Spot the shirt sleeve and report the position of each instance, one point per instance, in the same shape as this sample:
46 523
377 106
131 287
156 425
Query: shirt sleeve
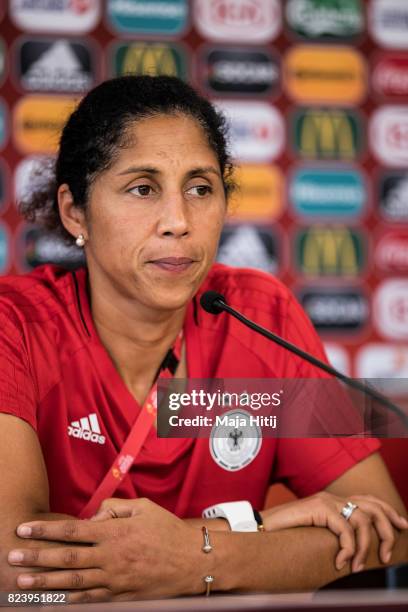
17 388
309 465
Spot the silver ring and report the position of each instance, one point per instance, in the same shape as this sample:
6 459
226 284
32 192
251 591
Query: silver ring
348 510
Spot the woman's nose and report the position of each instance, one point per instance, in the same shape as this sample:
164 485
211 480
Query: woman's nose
173 219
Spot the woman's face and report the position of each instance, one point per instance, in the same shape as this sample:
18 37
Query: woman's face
155 217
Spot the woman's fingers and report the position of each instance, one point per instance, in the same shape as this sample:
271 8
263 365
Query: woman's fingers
383 526
396 519
346 535
63 580
69 530
355 535
383 517
361 523
79 557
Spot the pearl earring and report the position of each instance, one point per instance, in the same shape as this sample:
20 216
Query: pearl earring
80 241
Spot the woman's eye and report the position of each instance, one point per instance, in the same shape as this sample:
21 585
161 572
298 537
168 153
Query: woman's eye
200 190
141 190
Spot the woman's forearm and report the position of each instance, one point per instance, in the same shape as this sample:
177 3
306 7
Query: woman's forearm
297 559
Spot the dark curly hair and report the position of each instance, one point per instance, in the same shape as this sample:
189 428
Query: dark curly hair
97 129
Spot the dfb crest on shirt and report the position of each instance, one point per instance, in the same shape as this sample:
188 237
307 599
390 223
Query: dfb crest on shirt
234 441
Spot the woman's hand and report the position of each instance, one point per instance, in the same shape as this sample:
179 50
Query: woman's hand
153 554
115 507
324 510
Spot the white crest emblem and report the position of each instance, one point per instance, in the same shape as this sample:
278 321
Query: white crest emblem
234 441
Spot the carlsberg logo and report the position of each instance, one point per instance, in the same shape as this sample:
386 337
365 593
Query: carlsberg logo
332 18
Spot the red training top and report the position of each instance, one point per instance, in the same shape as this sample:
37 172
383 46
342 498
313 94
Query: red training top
57 376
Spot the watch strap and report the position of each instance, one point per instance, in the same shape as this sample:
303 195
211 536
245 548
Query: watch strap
239 515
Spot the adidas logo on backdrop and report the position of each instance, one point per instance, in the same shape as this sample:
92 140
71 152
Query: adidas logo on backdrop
87 428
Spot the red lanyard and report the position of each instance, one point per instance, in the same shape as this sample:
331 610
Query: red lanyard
131 447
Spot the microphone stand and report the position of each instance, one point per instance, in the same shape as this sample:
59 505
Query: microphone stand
218 305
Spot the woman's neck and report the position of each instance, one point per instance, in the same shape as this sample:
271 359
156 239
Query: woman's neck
137 338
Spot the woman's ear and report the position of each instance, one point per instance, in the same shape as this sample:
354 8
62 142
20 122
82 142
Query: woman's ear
72 217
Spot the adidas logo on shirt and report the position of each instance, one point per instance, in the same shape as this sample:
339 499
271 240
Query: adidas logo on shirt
87 428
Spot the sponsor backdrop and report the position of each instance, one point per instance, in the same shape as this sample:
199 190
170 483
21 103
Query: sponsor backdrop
316 93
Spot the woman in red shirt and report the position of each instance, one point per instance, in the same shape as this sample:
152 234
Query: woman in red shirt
141 183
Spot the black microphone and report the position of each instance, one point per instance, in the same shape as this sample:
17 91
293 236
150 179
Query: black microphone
215 303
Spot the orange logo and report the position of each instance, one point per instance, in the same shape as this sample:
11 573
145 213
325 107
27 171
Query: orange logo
38 121
260 193
329 75
116 473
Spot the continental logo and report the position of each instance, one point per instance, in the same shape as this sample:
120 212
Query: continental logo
330 75
327 134
329 251
38 121
260 193
154 59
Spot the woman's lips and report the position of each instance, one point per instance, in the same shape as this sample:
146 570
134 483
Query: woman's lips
173 264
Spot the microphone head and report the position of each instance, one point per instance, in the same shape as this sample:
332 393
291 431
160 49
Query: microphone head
210 301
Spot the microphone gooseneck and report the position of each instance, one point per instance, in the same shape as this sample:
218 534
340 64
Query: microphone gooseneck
215 303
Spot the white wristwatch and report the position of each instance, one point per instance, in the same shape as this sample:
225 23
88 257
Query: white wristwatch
239 515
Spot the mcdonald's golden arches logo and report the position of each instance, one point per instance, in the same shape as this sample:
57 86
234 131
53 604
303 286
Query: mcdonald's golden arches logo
329 251
327 134
154 59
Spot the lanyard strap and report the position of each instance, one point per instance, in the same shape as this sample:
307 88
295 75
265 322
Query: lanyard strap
131 447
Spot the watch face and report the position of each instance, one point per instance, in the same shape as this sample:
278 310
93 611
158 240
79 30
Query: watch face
234 440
